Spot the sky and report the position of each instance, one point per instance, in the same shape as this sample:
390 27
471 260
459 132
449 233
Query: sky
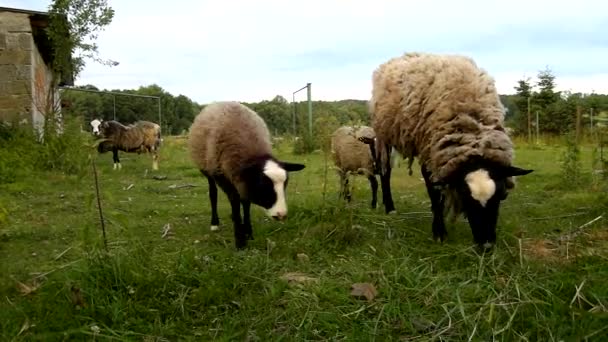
253 50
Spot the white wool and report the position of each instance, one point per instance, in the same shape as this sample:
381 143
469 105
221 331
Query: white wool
481 185
278 175
95 124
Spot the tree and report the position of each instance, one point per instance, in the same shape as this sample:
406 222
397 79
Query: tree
522 101
72 30
547 99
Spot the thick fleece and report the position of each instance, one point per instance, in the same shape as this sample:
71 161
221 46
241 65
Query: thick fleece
442 109
348 153
227 137
140 136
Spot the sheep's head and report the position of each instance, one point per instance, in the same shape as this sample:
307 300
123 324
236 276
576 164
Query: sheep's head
481 188
265 182
372 146
95 125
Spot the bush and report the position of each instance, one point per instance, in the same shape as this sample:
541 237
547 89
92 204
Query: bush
571 163
22 152
305 144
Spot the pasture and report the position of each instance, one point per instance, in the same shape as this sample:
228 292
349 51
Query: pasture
165 276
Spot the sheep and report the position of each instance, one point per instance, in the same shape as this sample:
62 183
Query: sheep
142 136
445 110
230 144
350 155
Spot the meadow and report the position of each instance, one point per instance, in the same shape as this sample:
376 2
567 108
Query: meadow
164 276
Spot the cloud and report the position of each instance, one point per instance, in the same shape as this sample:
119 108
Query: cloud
253 50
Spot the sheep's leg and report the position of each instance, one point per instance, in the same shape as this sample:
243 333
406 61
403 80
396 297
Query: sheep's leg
154 159
347 194
437 205
385 183
215 220
373 182
240 237
247 220
343 185
115 159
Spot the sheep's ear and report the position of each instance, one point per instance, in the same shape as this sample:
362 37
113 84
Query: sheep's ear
513 171
291 167
366 140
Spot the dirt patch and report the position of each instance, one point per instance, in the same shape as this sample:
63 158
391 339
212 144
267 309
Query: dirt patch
592 243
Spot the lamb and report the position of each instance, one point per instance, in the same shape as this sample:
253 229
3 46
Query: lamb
230 144
445 110
350 155
142 136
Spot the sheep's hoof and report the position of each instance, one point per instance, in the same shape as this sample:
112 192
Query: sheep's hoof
487 246
215 228
440 238
240 244
392 212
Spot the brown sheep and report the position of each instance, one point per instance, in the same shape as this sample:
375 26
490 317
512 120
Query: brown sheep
142 136
230 144
446 111
351 156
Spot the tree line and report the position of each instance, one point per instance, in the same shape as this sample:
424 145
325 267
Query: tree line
537 106
557 111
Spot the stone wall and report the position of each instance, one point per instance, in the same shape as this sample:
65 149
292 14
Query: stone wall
41 83
16 45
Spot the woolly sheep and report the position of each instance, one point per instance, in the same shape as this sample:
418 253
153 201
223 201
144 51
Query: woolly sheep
350 155
143 136
230 144
445 110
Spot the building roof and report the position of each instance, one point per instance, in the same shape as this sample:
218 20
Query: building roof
40 20
24 11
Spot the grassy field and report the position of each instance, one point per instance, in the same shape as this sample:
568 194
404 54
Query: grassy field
166 277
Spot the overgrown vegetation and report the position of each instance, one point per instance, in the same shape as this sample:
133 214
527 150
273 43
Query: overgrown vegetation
22 152
167 277
570 163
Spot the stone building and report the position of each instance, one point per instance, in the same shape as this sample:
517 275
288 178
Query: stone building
25 73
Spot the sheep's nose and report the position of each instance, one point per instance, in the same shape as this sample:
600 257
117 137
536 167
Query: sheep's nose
280 216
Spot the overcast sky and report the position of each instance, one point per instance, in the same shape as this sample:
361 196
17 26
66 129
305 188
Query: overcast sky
250 50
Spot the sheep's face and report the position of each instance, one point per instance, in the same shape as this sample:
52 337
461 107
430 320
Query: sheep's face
481 192
267 184
95 125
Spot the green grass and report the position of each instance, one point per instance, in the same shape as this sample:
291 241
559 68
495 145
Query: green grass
194 285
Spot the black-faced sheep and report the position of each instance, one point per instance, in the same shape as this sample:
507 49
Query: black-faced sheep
230 144
142 136
351 156
445 110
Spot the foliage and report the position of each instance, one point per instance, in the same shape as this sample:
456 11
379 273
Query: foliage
21 152
74 25
570 163
556 110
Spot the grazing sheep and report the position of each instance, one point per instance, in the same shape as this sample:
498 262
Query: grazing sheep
445 110
231 146
143 136
350 155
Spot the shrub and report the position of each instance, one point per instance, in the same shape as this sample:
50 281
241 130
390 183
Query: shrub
22 152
